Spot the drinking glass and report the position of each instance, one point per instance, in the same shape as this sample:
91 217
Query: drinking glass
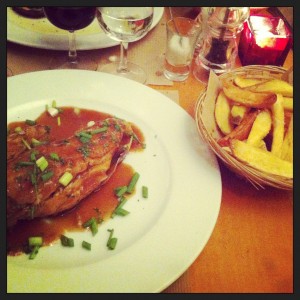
125 24
71 19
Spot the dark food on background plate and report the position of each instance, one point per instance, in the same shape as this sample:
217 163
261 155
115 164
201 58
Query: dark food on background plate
55 176
34 12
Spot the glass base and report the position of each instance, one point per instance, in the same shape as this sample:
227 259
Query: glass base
80 64
133 71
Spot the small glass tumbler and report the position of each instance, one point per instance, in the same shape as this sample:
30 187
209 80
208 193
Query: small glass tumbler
182 34
264 41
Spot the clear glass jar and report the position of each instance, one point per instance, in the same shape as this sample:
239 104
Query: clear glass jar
218 48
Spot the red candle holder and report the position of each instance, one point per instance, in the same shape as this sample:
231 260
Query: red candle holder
264 41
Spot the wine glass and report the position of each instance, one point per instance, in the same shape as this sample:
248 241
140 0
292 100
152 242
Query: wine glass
71 19
125 24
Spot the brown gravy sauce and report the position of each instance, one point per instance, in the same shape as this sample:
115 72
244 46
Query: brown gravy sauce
102 201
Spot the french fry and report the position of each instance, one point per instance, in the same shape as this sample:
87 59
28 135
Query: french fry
243 82
260 128
241 131
287 146
261 159
222 113
237 113
248 98
275 85
278 126
288 103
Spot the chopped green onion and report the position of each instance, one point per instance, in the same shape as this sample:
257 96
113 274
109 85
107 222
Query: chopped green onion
58 121
145 191
66 241
84 134
88 222
65 179
34 252
18 129
112 241
25 163
33 178
121 212
42 163
30 122
92 224
35 142
94 227
54 156
53 103
33 155
35 241
47 176
121 190
86 245
99 130
26 144
133 182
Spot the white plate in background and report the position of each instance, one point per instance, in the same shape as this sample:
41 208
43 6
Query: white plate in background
40 33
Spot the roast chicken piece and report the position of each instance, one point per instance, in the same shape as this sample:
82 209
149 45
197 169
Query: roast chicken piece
90 156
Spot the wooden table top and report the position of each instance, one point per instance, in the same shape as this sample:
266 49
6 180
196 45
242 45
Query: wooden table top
251 247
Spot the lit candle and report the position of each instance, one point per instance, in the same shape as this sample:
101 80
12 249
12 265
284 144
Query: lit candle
264 41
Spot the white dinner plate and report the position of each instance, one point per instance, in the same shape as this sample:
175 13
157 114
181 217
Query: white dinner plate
40 33
162 235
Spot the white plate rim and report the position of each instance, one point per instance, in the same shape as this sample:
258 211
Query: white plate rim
170 246
19 35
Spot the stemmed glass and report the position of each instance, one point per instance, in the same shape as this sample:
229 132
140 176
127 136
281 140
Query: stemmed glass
71 19
125 24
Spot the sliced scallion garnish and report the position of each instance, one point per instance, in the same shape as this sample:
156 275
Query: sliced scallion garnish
99 130
30 122
42 163
112 241
26 144
25 163
120 191
66 241
47 176
145 191
65 179
86 245
18 129
35 241
133 182
34 252
54 156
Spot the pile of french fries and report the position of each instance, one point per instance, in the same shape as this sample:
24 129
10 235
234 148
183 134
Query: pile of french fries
255 118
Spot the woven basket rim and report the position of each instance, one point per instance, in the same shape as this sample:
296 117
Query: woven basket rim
257 178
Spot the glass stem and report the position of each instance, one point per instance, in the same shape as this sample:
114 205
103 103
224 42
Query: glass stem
123 57
72 55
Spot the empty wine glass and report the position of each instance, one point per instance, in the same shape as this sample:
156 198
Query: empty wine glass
125 24
71 19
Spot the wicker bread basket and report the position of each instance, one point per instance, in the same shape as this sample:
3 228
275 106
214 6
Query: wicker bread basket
207 128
